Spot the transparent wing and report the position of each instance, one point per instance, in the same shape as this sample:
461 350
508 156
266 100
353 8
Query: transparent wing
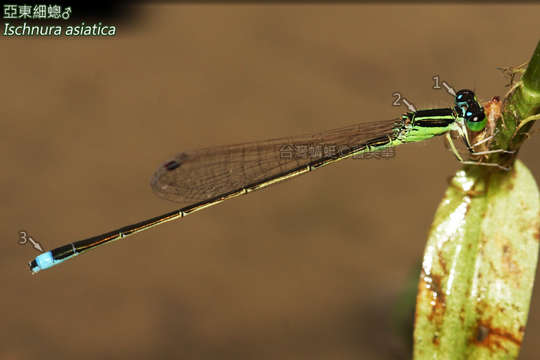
203 174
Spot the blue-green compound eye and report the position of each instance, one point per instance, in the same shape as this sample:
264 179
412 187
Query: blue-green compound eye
464 99
475 118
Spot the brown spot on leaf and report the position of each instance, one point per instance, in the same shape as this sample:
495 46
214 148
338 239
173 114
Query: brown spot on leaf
474 193
438 300
468 208
493 338
481 307
493 268
510 265
482 333
513 173
462 314
442 262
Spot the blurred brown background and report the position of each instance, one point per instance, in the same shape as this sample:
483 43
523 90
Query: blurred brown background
309 269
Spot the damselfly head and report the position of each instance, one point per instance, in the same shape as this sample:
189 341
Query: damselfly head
464 99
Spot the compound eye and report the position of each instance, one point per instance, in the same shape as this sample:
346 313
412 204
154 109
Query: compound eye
465 96
475 118
465 99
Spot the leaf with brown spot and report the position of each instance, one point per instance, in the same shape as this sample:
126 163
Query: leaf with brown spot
479 266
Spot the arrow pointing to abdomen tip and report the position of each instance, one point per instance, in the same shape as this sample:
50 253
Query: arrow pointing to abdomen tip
36 245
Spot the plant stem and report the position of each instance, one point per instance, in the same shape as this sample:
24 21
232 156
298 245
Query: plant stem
521 103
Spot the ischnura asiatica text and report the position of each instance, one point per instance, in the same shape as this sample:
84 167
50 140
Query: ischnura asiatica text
212 175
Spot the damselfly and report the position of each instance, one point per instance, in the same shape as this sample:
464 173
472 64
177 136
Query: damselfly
212 175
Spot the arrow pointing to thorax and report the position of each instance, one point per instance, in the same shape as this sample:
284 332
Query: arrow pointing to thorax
409 105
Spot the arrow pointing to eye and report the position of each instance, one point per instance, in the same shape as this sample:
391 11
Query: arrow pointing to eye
449 88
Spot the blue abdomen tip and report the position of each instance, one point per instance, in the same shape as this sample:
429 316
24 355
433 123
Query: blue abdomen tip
44 261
